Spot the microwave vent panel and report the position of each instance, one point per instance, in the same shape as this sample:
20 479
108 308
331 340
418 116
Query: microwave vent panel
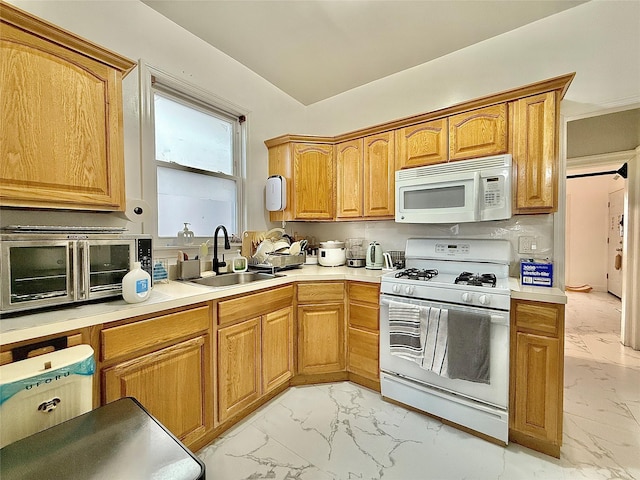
472 165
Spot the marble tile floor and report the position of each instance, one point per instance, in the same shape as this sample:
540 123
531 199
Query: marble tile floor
342 431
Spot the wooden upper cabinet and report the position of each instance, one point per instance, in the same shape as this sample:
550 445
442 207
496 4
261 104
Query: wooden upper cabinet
422 144
61 137
379 175
478 133
535 153
313 174
349 179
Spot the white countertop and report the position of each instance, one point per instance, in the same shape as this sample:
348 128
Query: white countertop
179 294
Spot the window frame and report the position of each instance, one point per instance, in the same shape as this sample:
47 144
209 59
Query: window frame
152 79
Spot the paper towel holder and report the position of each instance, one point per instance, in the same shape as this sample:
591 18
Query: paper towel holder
276 193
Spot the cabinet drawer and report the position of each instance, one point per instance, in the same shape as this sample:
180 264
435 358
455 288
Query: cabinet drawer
364 292
320 292
364 316
254 305
126 339
538 317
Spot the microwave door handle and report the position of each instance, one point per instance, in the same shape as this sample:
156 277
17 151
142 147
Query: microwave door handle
82 271
477 195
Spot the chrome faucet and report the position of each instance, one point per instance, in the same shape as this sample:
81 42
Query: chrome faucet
216 264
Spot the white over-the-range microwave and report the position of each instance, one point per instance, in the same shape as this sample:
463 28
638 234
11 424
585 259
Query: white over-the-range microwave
473 190
47 268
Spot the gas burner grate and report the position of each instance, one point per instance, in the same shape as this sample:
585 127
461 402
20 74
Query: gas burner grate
476 280
417 274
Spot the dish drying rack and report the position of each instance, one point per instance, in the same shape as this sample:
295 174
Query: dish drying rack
278 261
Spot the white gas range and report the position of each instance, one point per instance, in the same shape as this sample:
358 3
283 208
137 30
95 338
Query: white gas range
444 332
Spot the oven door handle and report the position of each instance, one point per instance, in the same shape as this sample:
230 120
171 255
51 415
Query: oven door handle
497 317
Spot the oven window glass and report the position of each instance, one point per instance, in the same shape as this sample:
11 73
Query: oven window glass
108 264
38 272
442 197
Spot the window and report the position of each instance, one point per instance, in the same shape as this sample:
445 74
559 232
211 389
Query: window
193 148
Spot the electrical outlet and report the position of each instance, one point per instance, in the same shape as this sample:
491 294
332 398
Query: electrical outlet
527 244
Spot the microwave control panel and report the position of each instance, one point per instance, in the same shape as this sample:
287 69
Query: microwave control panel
144 254
493 191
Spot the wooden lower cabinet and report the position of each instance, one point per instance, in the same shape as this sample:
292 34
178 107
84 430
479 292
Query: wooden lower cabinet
321 338
164 362
239 367
363 313
170 383
537 372
277 348
255 355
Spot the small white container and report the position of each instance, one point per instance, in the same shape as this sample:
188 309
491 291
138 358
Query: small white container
136 285
239 263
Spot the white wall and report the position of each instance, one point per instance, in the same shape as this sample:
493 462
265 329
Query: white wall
600 41
134 30
586 252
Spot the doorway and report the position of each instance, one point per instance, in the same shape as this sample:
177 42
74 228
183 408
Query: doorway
615 246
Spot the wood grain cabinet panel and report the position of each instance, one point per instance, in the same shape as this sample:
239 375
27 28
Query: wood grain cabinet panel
363 332
61 139
321 338
478 133
277 351
535 153
313 181
256 304
537 375
170 383
349 179
362 355
239 367
422 144
320 292
379 175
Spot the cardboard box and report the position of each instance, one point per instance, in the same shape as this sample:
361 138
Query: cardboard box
536 273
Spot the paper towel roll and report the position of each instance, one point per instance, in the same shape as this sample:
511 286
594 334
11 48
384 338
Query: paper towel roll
137 210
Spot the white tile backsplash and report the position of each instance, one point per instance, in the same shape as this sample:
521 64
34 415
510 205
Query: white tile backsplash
393 236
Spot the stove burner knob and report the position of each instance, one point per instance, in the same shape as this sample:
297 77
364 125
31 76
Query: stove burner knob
467 297
409 289
484 299
395 288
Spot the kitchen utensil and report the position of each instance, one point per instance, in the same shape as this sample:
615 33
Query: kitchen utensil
295 248
356 262
374 256
331 253
356 252
280 246
388 262
265 247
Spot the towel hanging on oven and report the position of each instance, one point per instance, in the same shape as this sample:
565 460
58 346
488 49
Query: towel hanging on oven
405 330
435 341
468 346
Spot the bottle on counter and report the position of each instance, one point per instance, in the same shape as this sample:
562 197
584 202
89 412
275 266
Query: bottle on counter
239 263
136 285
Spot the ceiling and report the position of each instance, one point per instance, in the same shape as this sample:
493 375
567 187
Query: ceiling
313 50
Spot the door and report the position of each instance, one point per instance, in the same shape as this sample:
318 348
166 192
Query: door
615 254
238 367
321 338
277 348
169 383
379 175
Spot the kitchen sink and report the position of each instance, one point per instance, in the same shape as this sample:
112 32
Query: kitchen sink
230 279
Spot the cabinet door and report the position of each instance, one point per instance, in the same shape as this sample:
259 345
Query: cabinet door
363 353
538 395
238 367
422 144
349 179
171 383
321 338
478 133
61 138
535 154
313 181
277 348
379 175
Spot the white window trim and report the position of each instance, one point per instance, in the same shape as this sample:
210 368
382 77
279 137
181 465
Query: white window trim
147 147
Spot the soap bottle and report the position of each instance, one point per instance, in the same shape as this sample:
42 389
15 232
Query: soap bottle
239 263
185 236
136 285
